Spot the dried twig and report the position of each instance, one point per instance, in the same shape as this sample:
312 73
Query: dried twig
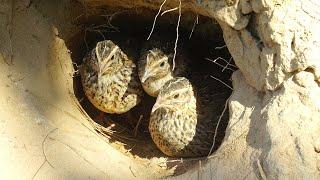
135 130
224 67
35 174
194 25
110 127
222 82
169 10
101 34
44 154
43 143
181 160
177 38
220 47
129 150
85 40
155 19
112 133
102 28
110 18
217 126
81 99
132 171
177 28
78 17
200 171
227 64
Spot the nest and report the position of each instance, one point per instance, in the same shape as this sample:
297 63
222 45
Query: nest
129 29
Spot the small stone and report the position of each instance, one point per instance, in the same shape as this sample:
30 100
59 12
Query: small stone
304 79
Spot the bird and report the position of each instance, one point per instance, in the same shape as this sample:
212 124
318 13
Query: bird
110 79
155 66
184 116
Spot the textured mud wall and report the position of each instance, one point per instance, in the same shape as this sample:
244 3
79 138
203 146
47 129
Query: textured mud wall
274 126
277 53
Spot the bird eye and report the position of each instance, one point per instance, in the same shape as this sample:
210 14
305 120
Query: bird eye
162 64
176 96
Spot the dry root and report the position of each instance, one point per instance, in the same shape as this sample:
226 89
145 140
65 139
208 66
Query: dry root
228 66
217 126
194 25
177 28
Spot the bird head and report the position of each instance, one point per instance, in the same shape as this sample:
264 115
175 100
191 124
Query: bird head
154 64
108 56
176 93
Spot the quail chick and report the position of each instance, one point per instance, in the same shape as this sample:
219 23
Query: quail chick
109 79
183 118
155 69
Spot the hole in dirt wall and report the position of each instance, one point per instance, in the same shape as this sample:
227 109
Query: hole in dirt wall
129 29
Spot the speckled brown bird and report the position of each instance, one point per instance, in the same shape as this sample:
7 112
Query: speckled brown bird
155 66
183 118
109 79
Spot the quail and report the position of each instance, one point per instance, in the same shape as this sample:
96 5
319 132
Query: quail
183 119
155 66
109 79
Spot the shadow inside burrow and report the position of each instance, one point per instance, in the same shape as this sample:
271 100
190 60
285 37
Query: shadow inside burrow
129 30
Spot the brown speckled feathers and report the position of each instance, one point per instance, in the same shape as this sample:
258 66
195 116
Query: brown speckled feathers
110 79
183 118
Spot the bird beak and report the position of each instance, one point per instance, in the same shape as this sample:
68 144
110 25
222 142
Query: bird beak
155 107
159 103
162 104
145 76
